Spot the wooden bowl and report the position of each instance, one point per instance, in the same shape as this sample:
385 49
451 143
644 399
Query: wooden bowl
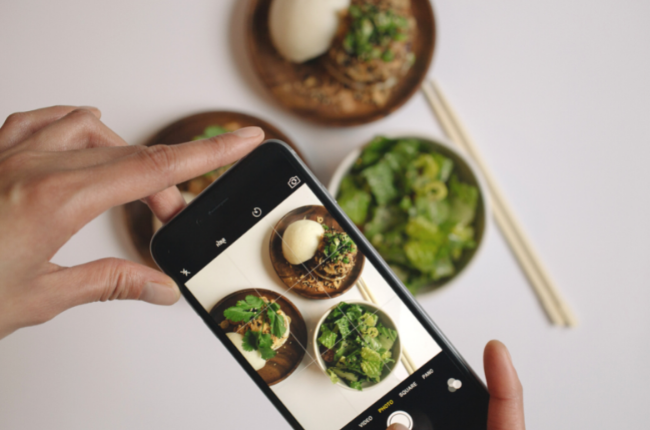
289 273
279 75
290 354
138 216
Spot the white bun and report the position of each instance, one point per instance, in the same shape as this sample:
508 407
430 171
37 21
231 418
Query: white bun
188 197
304 29
300 241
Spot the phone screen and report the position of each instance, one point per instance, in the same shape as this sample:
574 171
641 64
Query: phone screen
317 322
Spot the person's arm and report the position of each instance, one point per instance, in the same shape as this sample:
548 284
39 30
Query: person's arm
506 409
60 167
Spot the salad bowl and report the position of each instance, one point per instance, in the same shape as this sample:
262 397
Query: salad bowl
466 172
382 318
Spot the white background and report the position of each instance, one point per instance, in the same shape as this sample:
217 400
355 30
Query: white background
557 96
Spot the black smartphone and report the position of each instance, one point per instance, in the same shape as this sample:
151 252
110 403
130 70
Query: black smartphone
309 309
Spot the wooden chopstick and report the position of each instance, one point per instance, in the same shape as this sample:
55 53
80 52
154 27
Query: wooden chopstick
367 294
557 309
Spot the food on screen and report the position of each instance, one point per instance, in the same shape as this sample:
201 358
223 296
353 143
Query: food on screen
312 254
301 241
328 254
333 260
259 327
358 345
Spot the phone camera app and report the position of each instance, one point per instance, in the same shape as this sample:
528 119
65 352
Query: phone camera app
293 182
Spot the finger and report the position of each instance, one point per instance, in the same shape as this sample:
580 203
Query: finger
153 169
506 410
166 203
397 426
80 128
20 125
112 279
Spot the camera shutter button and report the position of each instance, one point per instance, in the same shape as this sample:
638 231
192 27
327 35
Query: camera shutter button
400 417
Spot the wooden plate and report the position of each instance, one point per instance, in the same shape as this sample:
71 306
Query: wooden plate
279 75
290 354
138 216
289 274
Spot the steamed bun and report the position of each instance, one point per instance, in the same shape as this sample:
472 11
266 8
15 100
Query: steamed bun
301 240
304 29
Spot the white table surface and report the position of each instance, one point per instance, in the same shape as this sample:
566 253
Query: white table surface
556 94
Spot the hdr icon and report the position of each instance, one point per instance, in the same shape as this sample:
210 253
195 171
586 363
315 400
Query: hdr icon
221 241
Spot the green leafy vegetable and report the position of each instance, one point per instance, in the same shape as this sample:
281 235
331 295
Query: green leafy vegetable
361 344
413 208
251 308
337 245
208 132
327 338
371 32
211 131
254 340
355 203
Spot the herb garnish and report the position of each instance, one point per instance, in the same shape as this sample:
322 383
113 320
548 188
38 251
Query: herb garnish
372 31
250 309
337 245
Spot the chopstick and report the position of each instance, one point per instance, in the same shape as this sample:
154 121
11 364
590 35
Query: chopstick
367 294
557 309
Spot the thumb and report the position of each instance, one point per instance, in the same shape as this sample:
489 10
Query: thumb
506 410
113 279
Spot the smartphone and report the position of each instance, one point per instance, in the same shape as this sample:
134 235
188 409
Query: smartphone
309 309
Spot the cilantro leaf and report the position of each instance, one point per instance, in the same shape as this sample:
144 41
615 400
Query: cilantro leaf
237 314
211 131
254 302
276 322
250 341
254 340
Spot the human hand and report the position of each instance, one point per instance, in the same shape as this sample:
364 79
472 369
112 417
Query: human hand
60 167
506 409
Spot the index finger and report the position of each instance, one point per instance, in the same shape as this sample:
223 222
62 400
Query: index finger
153 169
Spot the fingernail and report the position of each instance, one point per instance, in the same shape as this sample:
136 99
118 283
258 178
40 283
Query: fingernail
248 132
160 294
397 426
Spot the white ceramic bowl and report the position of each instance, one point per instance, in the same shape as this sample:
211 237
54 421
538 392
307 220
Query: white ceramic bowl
386 322
467 172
